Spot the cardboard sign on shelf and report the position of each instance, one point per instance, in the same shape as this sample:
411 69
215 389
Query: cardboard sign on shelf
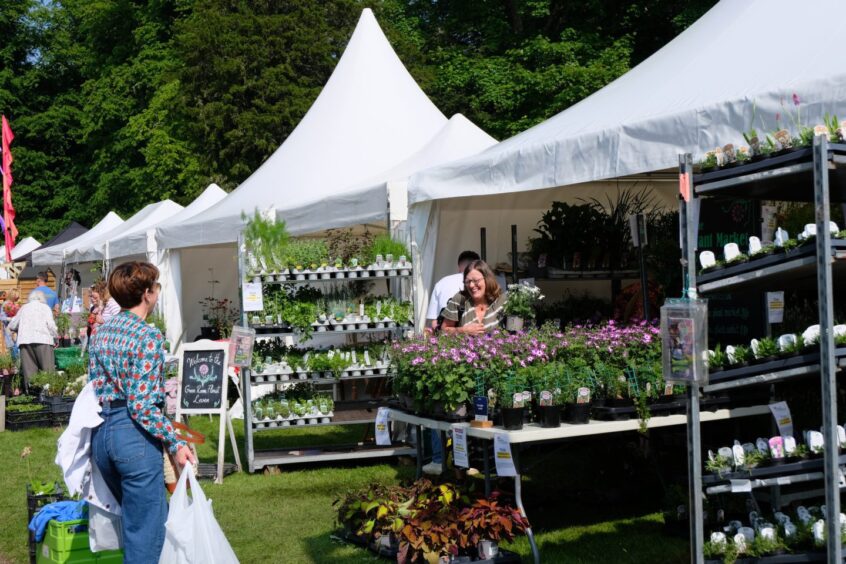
202 389
253 296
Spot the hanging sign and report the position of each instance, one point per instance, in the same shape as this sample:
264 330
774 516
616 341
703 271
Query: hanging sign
459 446
502 455
383 433
253 296
241 346
781 414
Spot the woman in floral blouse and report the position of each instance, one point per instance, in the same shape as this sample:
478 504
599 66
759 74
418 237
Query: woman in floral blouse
126 367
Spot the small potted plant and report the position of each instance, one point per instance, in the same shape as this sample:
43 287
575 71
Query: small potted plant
520 305
716 359
488 522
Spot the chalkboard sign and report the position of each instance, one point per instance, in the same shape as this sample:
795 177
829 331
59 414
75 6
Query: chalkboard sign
733 317
202 377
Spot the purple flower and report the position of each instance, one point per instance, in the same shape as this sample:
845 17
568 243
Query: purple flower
796 100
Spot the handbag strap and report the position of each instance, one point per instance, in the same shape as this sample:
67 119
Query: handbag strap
187 434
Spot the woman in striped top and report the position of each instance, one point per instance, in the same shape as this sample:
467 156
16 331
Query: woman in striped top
478 307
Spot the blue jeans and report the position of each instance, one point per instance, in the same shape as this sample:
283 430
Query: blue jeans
437 448
131 462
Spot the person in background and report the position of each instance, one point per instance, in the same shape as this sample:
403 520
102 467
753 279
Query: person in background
446 288
10 309
37 335
111 307
127 369
41 280
476 309
99 294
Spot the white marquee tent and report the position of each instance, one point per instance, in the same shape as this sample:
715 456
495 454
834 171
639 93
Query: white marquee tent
369 200
370 115
697 92
55 255
99 248
24 246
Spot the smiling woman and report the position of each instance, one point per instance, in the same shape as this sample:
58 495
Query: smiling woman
479 307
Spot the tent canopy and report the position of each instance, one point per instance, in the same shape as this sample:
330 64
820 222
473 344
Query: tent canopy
368 201
53 254
135 241
692 95
369 116
24 247
96 249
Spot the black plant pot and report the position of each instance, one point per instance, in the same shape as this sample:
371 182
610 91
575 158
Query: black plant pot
512 418
549 415
577 413
211 333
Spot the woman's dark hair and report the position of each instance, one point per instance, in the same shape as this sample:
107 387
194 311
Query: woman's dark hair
492 289
129 281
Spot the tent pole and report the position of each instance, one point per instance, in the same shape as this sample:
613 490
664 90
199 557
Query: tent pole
483 250
513 254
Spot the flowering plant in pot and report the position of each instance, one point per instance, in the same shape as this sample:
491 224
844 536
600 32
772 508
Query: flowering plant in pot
520 305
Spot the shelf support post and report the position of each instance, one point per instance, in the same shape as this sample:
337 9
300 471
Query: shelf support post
825 296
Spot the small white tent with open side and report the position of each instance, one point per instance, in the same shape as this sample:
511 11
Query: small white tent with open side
703 89
24 246
55 255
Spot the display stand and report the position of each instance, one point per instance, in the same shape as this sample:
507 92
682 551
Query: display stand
346 411
814 175
202 389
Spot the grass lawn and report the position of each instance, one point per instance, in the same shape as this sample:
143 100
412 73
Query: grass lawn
288 517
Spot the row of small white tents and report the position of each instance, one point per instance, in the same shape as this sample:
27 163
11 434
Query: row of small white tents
372 136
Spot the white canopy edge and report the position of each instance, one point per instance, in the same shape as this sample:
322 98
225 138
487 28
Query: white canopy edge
24 246
55 254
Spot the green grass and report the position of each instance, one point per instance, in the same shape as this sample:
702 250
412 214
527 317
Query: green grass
288 517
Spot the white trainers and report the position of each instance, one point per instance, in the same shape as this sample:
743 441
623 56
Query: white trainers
433 468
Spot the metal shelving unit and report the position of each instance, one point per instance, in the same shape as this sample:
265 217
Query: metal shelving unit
346 412
818 175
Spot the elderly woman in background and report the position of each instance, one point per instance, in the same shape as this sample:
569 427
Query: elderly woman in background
478 307
9 310
37 334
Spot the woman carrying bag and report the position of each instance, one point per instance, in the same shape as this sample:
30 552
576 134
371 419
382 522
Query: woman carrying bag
127 362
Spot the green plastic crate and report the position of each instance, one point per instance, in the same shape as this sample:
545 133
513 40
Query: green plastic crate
46 555
67 356
110 557
67 536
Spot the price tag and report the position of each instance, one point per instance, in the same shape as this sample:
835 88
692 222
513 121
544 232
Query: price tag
781 414
383 433
253 296
459 446
502 455
740 486
480 408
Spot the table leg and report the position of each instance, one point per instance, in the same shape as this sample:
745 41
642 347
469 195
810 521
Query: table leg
418 434
487 467
518 498
444 452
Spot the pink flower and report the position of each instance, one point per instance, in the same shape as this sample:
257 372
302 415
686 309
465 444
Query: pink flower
796 100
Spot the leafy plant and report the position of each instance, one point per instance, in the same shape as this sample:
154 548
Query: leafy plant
345 244
717 358
767 347
157 319
522 300
754 458
385 245
265 239
52 384
487 519
742 354
307 253
738 259
708 162
718 464
566 228
63 323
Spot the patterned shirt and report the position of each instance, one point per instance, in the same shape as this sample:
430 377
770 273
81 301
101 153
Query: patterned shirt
459 303
127 363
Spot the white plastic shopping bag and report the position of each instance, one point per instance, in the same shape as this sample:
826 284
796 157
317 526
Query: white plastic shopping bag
192 533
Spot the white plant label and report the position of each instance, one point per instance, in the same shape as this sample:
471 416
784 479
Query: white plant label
740 486
502 455
253 296
781 414
354 360
775 307
383 433
367 358
459 446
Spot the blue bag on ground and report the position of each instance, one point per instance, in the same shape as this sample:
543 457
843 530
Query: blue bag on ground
61 511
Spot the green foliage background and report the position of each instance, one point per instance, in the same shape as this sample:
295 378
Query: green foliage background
119 103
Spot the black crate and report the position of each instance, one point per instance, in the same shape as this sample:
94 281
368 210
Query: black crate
19 420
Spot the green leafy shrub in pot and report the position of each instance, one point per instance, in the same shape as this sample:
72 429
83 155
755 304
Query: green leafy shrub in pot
265 240
52 384
385 245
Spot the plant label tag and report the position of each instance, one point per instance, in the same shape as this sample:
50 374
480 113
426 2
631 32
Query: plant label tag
367 358
354 359
502 454
740 486
527 398
459 446
781 414
546 398
383 433
775 307
253 297
583 395
330 353
480 408
668 390
518 399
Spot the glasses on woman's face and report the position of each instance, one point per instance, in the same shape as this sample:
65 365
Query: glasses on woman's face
477 282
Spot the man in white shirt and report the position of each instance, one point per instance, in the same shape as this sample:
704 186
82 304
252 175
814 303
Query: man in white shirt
447 287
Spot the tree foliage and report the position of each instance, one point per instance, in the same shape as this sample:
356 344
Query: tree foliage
119 103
